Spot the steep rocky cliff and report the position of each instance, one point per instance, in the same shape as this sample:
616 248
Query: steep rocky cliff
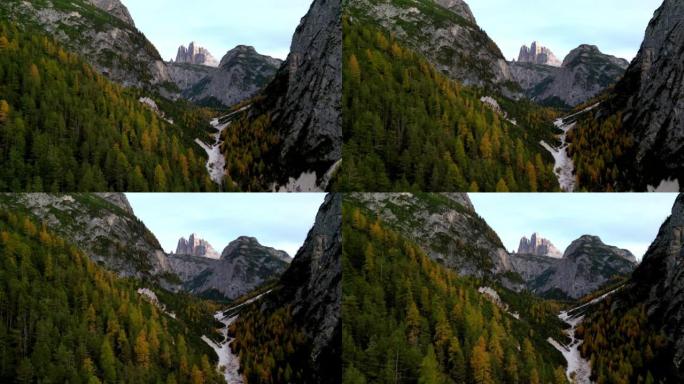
445 31
650 99
658 283
585 72
539 246
102 225
99 30
241 74
538 54
195 54
304 100
244 265
195 246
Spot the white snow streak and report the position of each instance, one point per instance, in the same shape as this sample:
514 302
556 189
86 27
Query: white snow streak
216 163
229 363
564 167
579 369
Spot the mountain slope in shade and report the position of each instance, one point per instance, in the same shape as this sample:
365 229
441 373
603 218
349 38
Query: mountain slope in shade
102 32
305 302
445 32
646 315
642 119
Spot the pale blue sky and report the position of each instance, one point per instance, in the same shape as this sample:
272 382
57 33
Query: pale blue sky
616 26
625 220
219 25
281 221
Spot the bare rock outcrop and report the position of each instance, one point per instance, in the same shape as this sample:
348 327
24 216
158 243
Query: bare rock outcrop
196 246
195 54
538 54
538 246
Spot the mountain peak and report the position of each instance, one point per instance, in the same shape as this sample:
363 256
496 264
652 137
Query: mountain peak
195 54
537 245
247 54
538 54
114 8
247 245
196 246
588 53
459 7
585 241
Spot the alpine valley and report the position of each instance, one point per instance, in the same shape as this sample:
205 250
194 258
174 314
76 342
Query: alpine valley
89 296
88 104
431 104
430 295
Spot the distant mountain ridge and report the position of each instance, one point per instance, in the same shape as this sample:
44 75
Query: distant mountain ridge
538 54
537 245
196 246
194 54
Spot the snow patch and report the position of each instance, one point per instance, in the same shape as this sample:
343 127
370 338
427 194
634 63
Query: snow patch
492 103
665 186
216 162
229 363
579 369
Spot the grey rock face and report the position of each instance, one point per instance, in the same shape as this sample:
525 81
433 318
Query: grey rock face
459 7
311 286
241 74
196 246
115 8
455 45
102 226
658 283
114 47
195 55
537 54
585 73
538 246
445 226
304 99
650 97
242 266
586 265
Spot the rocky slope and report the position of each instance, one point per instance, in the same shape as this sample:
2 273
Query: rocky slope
586 265
585 72
102 225
195 246
650 99
538 246
195 55
537 54
102 32
311 287
446 226
241 74
244 265
445 32
657 286
304 101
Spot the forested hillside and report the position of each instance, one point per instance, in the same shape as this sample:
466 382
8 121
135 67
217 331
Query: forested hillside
408 127
65 319
63 127
407 319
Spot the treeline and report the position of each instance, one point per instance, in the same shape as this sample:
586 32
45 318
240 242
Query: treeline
271 347
623 348
63 127
603 154
65 319
408 127
407 319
